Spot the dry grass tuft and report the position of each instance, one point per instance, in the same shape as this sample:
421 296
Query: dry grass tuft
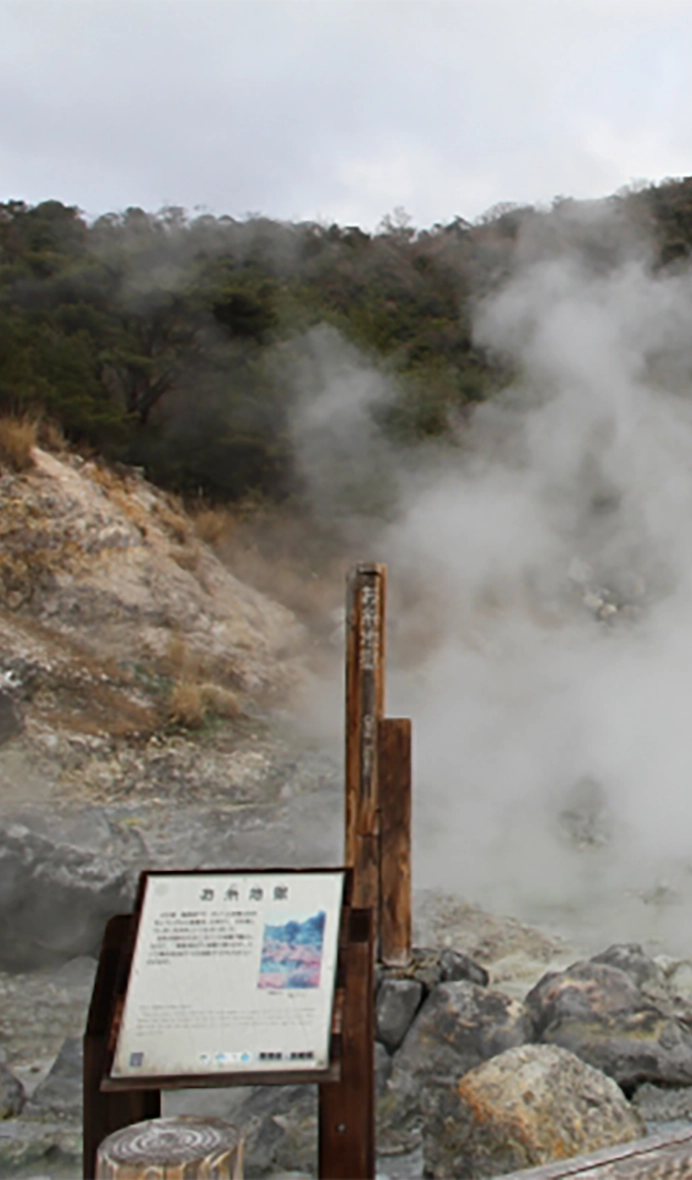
223 702
213 525
192 698
181 663
186 704
190 703
170 515
17 438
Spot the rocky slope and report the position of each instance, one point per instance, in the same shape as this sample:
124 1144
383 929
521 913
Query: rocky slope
133 665
141 689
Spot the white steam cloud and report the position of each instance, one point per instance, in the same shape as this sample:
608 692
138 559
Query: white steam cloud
541 581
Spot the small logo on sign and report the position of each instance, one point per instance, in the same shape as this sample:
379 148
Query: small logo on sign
136 1060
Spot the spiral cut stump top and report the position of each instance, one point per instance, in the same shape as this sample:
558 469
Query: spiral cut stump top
172 1149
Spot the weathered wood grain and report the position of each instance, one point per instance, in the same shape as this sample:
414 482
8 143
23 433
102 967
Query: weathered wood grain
105 1113
658 1157
365 662
347 1107
178 1148
394 783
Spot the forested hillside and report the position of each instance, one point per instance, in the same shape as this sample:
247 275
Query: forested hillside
168 340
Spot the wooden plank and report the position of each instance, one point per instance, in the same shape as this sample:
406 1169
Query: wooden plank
658 1157
394 784
105 1113
347 1107
285 1077
365 656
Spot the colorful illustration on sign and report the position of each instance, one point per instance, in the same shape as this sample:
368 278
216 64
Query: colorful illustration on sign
292 953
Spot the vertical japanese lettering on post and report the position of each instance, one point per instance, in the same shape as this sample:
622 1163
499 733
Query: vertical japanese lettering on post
231 973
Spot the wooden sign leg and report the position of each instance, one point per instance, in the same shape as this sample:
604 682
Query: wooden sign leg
105 1113
394 784
347 1107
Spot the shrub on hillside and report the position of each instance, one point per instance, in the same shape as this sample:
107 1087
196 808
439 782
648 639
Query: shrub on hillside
213 524
17 438
186 705
190 703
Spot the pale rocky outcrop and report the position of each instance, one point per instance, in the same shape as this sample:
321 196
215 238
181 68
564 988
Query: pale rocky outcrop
528 1106
116 563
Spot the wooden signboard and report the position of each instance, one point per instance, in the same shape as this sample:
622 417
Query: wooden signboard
232 978
166 1012
378 773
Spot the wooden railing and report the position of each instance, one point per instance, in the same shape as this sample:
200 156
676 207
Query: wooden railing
658 1157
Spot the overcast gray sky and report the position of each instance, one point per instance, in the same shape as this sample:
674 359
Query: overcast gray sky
341 109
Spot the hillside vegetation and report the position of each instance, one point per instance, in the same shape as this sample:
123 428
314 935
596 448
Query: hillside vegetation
174 342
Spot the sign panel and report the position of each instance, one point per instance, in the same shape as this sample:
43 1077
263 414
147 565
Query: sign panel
231 972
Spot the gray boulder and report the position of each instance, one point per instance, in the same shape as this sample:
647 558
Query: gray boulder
459 1026
630 958
396 1006
430 967
663 1104
61 1091
528 1106
679 981
383 1068
54 898
598 1012
12 1095
280 1130
457 965
43 1150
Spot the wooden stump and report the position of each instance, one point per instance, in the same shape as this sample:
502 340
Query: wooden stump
172 1149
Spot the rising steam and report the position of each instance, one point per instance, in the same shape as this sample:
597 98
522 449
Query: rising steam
542 591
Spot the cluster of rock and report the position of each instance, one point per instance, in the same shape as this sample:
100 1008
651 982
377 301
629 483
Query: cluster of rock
473 1082
470 1081
487 1084
480 1069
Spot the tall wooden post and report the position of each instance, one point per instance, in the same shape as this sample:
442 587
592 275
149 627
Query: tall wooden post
365 651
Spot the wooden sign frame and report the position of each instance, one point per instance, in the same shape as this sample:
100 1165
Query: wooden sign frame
346 1137
218 1078
376 923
